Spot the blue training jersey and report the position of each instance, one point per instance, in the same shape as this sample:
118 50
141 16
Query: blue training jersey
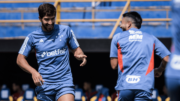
52 53
135 52
173 66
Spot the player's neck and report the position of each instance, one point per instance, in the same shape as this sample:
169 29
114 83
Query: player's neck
132 27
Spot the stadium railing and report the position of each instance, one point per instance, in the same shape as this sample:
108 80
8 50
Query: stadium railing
127 7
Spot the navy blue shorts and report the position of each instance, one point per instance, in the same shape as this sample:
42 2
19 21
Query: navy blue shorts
134 95
53 92
173 88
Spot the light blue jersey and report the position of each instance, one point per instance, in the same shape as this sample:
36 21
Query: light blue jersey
135 52
173 66
52 53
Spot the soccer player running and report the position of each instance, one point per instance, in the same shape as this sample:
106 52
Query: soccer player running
132 52
51 42
172 73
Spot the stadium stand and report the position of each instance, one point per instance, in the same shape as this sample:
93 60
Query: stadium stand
70 12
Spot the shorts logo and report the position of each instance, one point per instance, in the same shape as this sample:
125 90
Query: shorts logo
135 36
53 53
41 41
132 79
175 63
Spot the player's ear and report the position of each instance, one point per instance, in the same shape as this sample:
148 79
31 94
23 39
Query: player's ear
40 18
129 24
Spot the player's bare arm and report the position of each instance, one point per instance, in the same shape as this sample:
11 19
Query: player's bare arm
158 71
79 55
114 63
23 64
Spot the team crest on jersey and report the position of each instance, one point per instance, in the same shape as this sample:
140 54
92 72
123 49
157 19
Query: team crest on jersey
175 63
135 36
132 79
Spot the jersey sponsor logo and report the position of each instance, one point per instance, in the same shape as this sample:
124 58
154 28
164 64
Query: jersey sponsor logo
175 63
41 41
135 36
24 45
53 53
132 79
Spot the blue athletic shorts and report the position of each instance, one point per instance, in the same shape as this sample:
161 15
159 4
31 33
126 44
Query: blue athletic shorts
53 92
134 95
173 88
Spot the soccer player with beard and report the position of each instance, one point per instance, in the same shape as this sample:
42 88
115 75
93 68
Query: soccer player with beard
54 78
132 52
172 73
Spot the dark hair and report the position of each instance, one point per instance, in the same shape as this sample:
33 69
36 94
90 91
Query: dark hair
46 9
136 17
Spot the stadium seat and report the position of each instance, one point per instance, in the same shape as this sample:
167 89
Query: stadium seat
168 99
5 95
155 95
29 95
25 87
79 95
98 87
102 95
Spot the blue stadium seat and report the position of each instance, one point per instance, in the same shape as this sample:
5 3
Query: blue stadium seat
20 5
29 95
104 93
155 95
144 4
78 94
98 87
76 4
25 87
4 94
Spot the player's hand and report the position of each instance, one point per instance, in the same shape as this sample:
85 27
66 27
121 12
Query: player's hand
157 72
37 78
84 61
80 57
83 58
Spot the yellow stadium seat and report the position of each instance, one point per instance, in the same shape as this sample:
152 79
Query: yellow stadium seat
159 98
167 99
109 98
83 98
116 99
93 98
10 98
20 98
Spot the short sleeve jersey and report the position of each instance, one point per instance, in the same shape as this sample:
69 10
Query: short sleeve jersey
52 53
135 52
173 66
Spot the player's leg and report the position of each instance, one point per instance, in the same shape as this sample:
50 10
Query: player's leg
65 92
141 95
173 88
126 95
66 97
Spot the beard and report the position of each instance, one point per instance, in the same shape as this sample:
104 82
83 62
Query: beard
123 29
48 27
